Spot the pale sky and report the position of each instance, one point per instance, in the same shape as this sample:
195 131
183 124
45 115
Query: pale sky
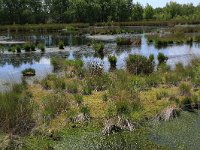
161 3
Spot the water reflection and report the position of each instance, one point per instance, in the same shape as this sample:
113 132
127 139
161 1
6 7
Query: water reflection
11 65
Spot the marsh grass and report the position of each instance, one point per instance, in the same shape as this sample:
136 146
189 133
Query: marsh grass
16 110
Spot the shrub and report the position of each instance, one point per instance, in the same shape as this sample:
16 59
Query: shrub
161 95
87 89
16 111
162 58
123 41
113 61
28 72
18 48
32 46
59 84
47 82
61 45
98 47
41 46
54 104
72 88
105 97
172 78
85 110
138 64
27 47
78 99
185 89
123 107
153 80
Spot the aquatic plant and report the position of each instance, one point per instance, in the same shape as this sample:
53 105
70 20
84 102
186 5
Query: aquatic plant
28 72
18 48
123 41
27 47
32 47
162 58
99 48
41 46
61 45
113 61
138 64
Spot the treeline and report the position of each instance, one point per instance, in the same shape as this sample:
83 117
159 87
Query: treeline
68 11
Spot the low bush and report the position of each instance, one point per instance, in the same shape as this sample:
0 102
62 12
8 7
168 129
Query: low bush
78 98
162 58
61 45
54 104
138 64
27 47
161 95
99 48
72 88
185 89
18 48
123 41
28 72
87 89
41 46
16 110
113 61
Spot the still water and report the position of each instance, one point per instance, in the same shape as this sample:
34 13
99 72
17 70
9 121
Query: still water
11 65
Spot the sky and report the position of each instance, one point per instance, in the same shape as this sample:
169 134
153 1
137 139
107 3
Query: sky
162 3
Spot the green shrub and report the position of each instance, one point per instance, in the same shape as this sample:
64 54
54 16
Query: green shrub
87 89
59 84
172 78
18 48
16 111
27 47
113 61
41 46
47 83
161 95
162 58
54 104
123 107
61 45
85 110
78 98
32 46
185 89
123 41
138 64
72 88
105 97
98 47
28 72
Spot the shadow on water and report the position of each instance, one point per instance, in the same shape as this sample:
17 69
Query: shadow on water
11 65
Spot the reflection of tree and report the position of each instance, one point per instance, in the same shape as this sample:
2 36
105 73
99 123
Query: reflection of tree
26 58
121 49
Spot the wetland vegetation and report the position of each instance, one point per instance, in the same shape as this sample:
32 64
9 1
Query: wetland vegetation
99 75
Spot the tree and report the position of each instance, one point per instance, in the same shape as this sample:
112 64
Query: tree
137 12
148 12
